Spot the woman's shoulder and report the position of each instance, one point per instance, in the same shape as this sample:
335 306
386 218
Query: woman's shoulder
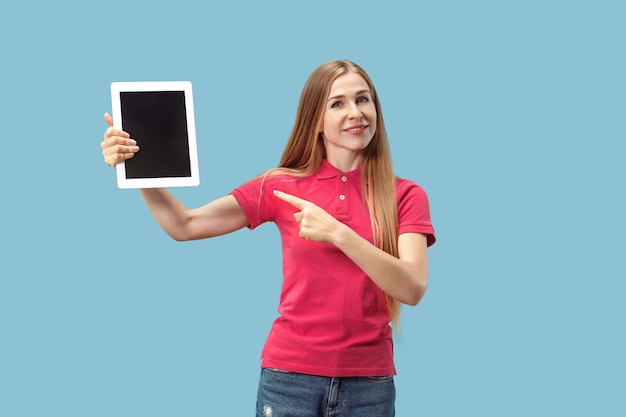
404 186
279 176
272 178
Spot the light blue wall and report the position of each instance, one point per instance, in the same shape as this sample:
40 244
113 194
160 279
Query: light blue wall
509 114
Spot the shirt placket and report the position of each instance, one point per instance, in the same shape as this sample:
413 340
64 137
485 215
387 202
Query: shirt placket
343 197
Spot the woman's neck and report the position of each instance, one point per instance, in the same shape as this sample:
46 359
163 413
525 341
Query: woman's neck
346 162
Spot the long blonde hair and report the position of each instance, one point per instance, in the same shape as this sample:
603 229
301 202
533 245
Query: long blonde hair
305 152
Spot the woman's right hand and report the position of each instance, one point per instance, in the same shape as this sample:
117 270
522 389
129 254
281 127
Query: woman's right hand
117 145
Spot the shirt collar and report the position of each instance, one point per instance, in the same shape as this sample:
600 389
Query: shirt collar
327 170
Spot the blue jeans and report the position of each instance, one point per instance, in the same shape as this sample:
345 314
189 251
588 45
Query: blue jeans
288 394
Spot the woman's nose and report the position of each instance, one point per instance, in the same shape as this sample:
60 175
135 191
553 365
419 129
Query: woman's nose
354 111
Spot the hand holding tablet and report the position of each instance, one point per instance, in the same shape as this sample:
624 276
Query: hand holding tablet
160 117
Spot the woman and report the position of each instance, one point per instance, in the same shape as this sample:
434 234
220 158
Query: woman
354 239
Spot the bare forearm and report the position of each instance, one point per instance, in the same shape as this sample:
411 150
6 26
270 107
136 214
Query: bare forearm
170 213
404 280
219 217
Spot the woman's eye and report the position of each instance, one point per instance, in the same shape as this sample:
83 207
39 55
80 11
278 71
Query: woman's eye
362 99
336 104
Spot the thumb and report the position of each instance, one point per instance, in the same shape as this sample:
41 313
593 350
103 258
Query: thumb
108 119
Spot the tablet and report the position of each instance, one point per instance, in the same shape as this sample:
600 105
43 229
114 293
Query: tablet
159 116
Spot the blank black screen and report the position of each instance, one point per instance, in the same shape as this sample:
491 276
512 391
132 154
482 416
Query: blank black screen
157 121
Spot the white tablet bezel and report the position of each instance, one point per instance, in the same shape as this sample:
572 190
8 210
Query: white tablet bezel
118 122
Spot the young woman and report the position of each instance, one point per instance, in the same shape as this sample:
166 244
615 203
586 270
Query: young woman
354 240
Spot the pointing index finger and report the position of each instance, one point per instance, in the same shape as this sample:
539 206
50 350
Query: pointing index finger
297 202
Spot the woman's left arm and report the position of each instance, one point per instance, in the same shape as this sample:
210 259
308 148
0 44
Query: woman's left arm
404 278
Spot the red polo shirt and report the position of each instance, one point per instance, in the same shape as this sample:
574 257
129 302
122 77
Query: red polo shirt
333 318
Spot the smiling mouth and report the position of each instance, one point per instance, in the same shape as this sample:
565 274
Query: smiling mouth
356 129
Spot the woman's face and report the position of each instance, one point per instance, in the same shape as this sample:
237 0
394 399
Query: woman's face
349 117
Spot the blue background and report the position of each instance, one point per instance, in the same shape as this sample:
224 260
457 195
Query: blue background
510 114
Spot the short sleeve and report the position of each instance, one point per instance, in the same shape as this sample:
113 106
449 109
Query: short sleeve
255 200
414 210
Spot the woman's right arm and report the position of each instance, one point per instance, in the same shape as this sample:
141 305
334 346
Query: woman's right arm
219 217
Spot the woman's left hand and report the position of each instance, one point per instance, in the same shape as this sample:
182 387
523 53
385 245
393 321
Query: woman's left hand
315 223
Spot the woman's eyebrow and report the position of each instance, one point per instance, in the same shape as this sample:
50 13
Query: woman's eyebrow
343 95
